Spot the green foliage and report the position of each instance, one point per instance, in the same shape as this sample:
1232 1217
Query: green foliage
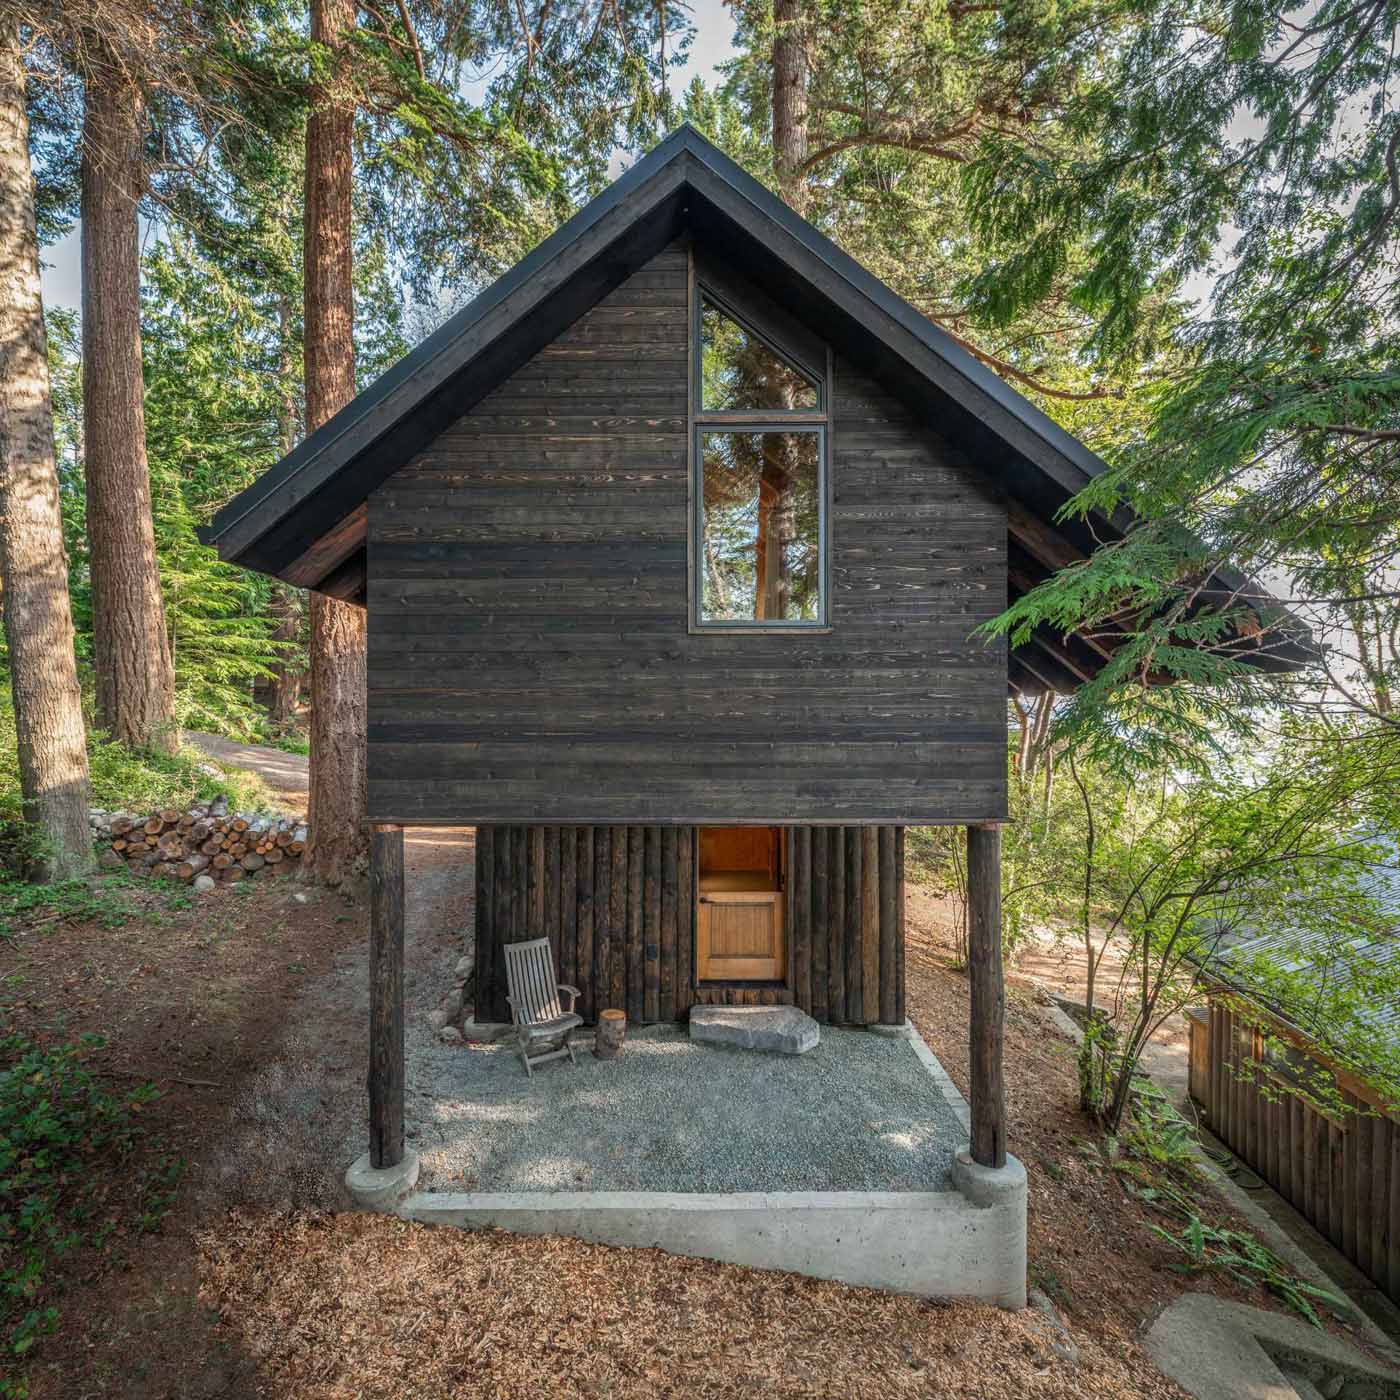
102 900
1167 872
1157 1139
121 779
1271 443
900 97
62 1136
1159 1165
1213 1248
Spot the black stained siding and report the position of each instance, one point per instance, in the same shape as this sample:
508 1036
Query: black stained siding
623 927
529 654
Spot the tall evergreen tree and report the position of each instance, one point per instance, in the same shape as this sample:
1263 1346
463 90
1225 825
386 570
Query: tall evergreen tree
338 670
864 115
131 652
33 566
1259 141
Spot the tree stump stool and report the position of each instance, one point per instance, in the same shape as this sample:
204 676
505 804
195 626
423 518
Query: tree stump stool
612 1028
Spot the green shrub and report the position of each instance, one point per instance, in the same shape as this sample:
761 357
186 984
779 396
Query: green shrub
63 1138
103 900
121 780
140 782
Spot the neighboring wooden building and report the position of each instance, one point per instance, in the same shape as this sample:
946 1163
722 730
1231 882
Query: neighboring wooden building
675 543
1333 1149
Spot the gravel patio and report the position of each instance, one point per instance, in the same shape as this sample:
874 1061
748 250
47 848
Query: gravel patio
858 1113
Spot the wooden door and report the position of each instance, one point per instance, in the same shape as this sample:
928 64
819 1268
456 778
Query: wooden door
739 936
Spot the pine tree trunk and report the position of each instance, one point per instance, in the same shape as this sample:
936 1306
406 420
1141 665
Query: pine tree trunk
790 102
131 652
282 693
339 840
53 764
283 690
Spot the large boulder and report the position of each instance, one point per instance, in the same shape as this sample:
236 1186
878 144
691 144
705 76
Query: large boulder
781 1030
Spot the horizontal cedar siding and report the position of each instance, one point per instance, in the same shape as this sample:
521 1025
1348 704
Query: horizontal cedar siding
1342 1177
622 926
528 645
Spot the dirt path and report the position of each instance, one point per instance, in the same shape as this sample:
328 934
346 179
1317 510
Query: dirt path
284 773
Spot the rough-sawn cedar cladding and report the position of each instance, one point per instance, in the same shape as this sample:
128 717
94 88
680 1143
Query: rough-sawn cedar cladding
529 654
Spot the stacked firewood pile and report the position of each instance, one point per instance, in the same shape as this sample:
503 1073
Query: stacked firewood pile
205 842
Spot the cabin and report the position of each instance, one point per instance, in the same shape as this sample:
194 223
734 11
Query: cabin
675 544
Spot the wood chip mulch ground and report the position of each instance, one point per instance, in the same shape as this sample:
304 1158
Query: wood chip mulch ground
349 1306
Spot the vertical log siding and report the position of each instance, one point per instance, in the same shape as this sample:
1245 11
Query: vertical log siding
1344 1177
618 905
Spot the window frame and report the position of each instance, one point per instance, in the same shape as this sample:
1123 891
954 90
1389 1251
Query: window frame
702 421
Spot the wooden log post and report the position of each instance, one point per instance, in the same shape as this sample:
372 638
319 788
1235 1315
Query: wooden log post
988 995
386 1075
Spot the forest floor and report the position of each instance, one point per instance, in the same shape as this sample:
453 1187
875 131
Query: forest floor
248 1009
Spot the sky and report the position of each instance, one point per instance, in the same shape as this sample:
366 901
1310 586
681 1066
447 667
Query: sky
713 44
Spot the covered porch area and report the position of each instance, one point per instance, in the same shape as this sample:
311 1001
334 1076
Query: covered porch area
857 1161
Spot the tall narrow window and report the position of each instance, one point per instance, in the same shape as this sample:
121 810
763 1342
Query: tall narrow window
760 449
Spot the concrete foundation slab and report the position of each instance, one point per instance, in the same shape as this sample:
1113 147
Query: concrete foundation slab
931 1243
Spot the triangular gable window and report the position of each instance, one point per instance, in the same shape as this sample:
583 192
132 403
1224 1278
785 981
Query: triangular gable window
741 373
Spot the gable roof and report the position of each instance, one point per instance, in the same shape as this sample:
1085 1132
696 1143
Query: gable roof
304 519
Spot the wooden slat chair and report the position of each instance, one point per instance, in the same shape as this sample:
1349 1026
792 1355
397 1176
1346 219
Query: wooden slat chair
534 1003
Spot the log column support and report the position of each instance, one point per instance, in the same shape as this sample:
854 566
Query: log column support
386 996
385 1176
988 995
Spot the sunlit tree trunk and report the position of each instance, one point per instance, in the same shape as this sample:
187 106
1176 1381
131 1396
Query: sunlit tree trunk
53 764
135 675
338 839
790 102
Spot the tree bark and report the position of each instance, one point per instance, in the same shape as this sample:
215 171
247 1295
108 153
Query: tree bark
790 102
131 652
38 622
339 841
282 693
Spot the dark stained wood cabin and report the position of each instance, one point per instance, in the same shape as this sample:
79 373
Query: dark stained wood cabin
675 544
